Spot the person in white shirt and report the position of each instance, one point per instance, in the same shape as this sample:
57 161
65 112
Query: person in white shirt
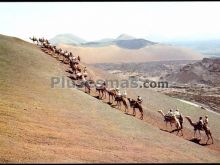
206 120
139 99
177 113
170 112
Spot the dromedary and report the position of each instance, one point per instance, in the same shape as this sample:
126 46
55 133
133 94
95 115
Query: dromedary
111 93
196 127
120 99
134 104
34 39
101 89
173 119
87 84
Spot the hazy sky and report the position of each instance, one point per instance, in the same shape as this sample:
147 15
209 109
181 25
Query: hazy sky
96 20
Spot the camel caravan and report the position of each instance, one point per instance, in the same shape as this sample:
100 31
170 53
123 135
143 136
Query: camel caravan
114 94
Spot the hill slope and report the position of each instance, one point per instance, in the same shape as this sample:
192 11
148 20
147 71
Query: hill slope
43 124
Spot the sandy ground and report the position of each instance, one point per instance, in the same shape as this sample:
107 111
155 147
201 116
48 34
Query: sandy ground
42 124
114 54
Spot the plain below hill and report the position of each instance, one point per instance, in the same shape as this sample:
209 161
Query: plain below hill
41 124
116 54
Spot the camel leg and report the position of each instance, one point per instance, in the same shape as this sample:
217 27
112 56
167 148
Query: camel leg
171 125
194 134
212 139
141 116
105 95
177 131
208 138
210 134
182 131
134 113
102 94
200 136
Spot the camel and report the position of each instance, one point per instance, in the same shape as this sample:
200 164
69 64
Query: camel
47 42
111 93
101 89
74 67
120 99
41 40
79 75
62 53
57 51
34 39
196 127
173 119
87 83
134 104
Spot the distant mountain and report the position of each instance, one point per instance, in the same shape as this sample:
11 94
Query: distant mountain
206 72
125 37
67 39
106 40
134 43
210 48
123 41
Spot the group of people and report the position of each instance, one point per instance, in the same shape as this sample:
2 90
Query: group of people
119 94
202 122
176 113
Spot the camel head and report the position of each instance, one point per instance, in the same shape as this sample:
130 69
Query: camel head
161 112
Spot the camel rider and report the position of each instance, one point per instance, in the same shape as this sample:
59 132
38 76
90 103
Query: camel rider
170 112
206 120
104 84
139 99
78 74
78 58
70 54
177 113
118 93
200 123
125 94
84 69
